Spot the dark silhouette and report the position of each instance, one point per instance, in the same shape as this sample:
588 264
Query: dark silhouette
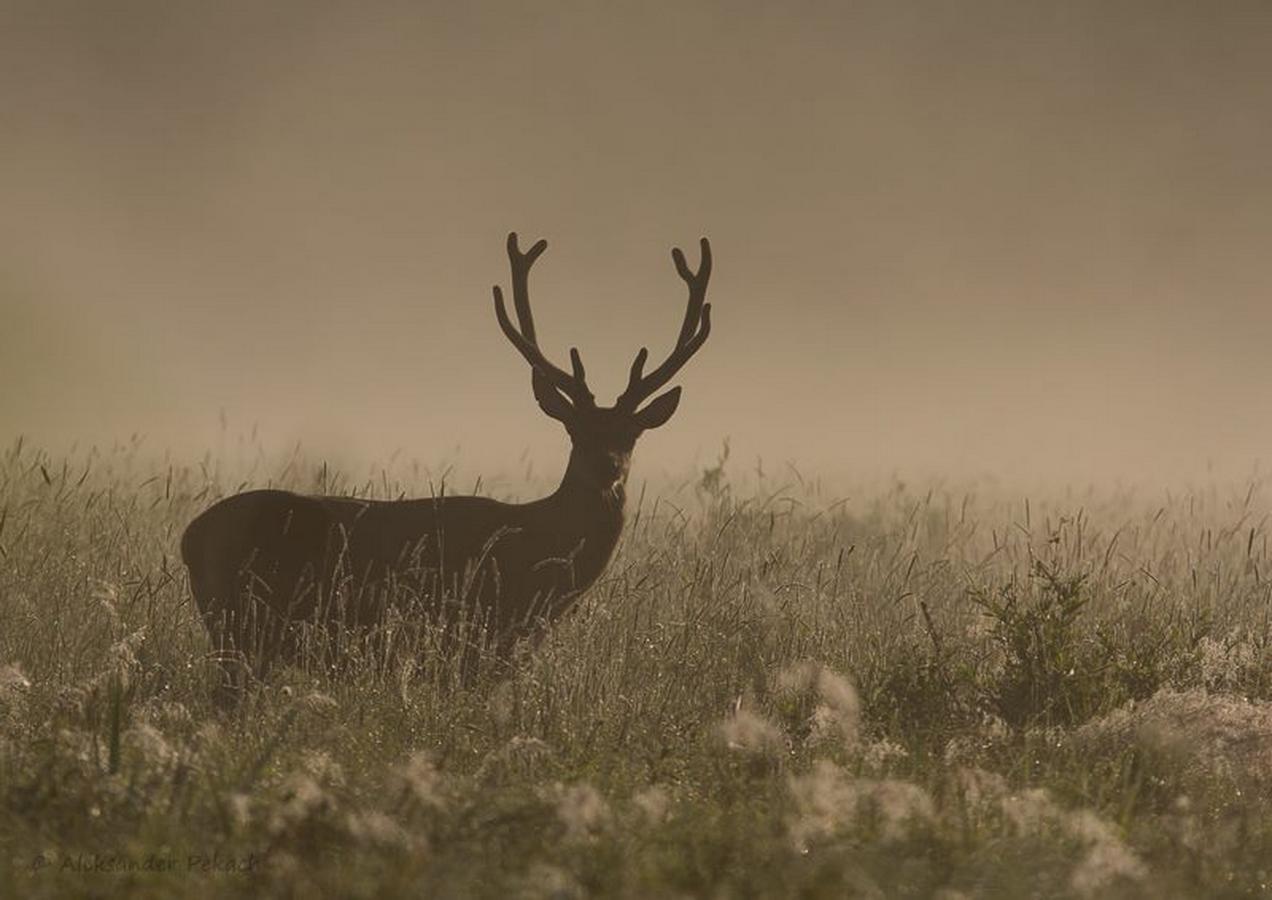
264 563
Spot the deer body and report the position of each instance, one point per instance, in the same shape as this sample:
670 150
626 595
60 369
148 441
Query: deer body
523 564
263 562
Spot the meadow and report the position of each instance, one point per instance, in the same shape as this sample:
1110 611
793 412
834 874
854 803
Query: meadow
774 691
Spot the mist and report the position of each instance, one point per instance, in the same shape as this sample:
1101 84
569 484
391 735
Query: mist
1018 239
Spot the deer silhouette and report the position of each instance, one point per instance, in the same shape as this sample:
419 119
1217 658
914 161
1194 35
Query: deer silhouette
264 563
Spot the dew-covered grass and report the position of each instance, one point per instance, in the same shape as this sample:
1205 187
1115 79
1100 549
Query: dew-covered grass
943 691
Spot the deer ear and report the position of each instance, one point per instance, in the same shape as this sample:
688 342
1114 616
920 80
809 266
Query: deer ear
551 400
659 410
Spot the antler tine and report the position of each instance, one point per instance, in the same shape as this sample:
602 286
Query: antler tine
521 263
697 282
693 332
574 387
531 351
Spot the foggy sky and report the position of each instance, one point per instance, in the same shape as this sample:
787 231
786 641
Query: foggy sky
1017 238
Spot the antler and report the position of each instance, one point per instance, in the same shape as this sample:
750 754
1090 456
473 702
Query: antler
693 332
545 374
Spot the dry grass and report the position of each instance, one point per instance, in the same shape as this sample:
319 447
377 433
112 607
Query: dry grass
771 693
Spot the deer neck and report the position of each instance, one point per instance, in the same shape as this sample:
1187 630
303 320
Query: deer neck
581 490
588 514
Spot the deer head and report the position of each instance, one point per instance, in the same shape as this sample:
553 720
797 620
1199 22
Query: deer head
603 437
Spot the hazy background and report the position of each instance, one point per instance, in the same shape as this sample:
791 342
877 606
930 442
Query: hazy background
1017 238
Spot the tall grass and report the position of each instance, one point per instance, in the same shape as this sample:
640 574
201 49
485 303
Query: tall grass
772 692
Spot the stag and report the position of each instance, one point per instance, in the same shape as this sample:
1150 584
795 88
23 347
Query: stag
266 563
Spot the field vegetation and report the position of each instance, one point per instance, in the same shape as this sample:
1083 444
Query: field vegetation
895 691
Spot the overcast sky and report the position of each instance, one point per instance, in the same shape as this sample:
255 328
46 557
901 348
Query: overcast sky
1018 238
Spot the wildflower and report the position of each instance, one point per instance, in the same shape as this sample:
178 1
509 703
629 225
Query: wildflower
371 826
209 736
322 767
840 709
420 779
304 798
899 805
172 713
1203 735
828 800
1222 663
1029 811
980 788
837 709
149 746
879 754
751 733
501 704
107 597
653 803
240 809
1106 857
123 653
582 810
798 677
318 702
13 680
1107 860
